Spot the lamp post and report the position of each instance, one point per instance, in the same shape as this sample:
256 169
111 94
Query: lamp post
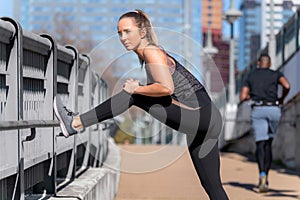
272 39
231 108
231 16
211 51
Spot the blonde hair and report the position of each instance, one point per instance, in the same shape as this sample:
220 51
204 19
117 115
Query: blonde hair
142 21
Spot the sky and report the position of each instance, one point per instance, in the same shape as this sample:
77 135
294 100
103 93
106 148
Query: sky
6 9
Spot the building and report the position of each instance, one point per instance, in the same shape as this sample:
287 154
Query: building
250 30
255 25
212 15
178 23
283 10
212 20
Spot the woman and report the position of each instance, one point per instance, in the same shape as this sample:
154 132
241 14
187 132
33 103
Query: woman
173 96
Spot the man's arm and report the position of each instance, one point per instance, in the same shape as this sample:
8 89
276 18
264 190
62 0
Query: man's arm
245 93
285 88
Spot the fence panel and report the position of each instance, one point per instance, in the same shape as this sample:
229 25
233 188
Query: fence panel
36 103
290 37
9 102
34 158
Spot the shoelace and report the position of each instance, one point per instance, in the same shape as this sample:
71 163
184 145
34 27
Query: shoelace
69 112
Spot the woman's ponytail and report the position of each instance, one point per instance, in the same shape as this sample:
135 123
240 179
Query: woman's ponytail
151 35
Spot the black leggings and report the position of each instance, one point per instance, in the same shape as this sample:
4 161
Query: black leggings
202 127
264 155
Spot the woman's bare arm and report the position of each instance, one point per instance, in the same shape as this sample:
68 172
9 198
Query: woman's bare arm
157 67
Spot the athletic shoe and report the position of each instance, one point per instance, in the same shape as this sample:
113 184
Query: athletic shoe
65 117
263 185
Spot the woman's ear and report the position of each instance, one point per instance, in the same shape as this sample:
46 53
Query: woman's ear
143 32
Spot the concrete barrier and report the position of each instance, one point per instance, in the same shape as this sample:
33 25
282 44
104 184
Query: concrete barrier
94 184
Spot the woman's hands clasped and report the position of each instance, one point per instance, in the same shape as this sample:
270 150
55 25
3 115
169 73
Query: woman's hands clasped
130 85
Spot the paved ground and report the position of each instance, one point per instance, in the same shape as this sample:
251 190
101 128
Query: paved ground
177 181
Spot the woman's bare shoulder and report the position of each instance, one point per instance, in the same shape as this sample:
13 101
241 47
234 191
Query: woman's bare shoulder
153 51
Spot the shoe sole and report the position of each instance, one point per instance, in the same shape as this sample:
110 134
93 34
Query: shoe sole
61 124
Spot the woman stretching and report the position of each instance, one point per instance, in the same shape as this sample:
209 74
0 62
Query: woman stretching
173 96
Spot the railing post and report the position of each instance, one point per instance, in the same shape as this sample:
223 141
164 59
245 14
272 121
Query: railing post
283 44
75 104
20 191
51 76
88 93
297 28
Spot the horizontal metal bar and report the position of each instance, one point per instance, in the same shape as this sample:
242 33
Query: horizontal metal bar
12 125
7 30
7 171
62 183
64 54
36 43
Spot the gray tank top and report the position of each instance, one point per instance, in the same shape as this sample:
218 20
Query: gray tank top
187 89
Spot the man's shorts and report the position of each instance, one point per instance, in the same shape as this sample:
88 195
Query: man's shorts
265 120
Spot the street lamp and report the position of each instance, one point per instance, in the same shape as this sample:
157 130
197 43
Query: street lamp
231 108
211 51
231 16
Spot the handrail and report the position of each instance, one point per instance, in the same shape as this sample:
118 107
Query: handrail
23 124
26 101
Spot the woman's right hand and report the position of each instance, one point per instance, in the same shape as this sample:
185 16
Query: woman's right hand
130 85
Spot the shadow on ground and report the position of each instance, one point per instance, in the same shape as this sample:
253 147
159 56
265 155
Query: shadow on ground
276 165
271 193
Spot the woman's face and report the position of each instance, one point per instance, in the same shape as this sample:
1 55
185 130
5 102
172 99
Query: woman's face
129 33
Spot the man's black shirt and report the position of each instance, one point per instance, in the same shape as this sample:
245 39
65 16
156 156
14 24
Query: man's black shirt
263 84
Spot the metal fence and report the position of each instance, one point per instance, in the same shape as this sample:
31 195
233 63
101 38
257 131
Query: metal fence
34 158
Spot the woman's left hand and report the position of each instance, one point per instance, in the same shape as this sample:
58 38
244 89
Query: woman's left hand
130 85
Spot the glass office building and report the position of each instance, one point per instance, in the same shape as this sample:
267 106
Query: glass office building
96 21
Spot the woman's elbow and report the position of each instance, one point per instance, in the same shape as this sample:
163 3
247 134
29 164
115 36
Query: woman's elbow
167 92
165 89
170 90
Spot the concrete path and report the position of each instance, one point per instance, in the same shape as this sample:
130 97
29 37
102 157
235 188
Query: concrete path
148 176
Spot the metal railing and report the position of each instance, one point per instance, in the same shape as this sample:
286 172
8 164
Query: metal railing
34 158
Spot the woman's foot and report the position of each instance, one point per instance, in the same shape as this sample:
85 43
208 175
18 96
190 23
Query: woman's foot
65 117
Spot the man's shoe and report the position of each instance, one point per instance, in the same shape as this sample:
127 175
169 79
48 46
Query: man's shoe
64 116
263 185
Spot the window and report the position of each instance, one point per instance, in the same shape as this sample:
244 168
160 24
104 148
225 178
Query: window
287 5
93 1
